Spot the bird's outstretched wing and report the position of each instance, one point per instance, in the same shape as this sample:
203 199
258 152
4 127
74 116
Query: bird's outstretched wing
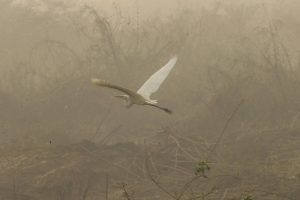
154 82
104 83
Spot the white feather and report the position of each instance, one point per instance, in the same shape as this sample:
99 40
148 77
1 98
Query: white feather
154 82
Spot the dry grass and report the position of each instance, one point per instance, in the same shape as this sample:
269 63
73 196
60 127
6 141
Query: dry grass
228 54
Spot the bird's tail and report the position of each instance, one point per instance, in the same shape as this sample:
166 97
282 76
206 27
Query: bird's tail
162 108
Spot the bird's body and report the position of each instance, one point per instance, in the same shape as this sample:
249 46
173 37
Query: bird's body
142 96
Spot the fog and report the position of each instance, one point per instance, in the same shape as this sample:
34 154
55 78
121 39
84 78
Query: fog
234 133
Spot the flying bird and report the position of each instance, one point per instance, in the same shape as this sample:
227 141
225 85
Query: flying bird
143 95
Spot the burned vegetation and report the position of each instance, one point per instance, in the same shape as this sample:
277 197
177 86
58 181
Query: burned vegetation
234 133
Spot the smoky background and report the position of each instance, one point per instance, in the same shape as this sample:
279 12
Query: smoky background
234 92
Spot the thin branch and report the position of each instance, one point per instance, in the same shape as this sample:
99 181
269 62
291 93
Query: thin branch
102 122
106 186
153 179
96 157
225 127
187 186
204 195
127 195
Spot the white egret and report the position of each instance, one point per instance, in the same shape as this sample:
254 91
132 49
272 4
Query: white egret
142 96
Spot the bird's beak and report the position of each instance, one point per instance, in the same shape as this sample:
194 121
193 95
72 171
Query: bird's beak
119 96
124 97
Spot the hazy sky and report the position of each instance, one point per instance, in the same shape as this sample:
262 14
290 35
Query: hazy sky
128 7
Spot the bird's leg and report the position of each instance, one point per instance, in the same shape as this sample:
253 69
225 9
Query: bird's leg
162 108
